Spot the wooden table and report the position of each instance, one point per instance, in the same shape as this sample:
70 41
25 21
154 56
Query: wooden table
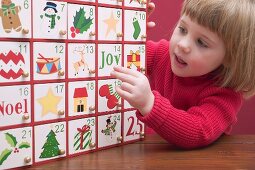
229 152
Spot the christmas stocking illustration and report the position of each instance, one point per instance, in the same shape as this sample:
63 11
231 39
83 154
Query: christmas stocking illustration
137 28
112 96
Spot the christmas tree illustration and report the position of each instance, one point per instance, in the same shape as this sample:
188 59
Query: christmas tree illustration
50 148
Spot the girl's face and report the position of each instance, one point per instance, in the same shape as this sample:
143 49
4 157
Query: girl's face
194 49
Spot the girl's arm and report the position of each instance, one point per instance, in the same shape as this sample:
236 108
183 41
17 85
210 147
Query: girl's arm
198 126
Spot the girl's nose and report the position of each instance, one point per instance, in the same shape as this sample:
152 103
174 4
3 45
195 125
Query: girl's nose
184 46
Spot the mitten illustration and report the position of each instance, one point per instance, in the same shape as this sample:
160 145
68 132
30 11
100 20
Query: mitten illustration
113 100
137 28
112 96
104 91
10 18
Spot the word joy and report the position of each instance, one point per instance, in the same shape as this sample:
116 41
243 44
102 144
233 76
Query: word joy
109 59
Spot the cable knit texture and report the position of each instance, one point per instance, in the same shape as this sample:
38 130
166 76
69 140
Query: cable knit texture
188 112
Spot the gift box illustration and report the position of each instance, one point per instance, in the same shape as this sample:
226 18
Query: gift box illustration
134 58
83 138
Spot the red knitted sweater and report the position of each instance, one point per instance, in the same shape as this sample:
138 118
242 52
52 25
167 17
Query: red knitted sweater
187 112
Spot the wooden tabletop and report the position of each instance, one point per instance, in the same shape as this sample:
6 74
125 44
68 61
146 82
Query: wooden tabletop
229 152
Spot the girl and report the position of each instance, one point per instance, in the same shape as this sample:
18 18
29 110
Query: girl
197 81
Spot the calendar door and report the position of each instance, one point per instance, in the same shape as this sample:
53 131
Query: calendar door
81 60
109 55
135 25
133 128
82 135
81 22
49 101
108 99
81 98
49 60
14 61
50 141
16 148
15 19
15 105
110 24
109 130
50 19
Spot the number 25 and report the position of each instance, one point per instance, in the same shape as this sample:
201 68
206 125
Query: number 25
131 131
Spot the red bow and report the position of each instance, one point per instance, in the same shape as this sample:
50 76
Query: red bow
84 129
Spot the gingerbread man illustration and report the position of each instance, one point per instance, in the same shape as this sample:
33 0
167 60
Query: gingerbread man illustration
10 18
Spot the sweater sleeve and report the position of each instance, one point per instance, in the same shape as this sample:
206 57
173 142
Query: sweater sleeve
200 125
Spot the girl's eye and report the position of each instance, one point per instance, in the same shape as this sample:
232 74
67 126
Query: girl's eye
182 30
202 43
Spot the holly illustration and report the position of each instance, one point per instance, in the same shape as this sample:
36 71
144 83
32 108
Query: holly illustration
50 148
81 24
12 141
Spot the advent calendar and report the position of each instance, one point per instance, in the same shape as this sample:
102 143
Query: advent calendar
57 98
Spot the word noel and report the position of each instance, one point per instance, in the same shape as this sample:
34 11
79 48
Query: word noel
109 59
13 108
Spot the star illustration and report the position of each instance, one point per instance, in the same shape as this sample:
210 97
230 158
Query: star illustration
111 23
49 103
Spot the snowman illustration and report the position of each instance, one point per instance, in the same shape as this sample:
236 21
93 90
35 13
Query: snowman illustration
50 16
110 127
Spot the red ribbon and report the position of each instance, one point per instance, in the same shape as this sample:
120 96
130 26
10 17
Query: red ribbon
83 130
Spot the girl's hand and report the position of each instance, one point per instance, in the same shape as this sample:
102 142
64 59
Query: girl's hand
135 88
151 8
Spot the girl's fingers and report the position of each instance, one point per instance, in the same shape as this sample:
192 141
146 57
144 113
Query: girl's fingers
151 8
127 87
126 71
123 94
124 77
151 24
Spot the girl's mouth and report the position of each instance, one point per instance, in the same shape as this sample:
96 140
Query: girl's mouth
180 62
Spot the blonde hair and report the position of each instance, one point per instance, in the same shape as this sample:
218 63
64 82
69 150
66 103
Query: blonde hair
234 22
